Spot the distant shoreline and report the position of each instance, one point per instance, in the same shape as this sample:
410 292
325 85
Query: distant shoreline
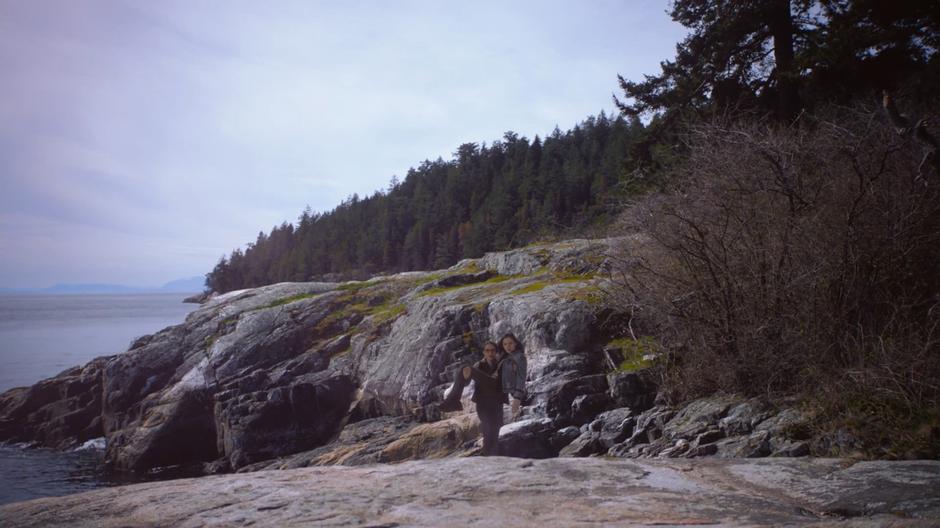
103 292
188 286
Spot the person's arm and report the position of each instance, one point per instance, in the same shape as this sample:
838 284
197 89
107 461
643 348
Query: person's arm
484 378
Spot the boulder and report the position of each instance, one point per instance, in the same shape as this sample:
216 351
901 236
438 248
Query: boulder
635 390
564 436
744 417
433 440
588 443
280 420
794 448
697 416
650 424
586 406
616 426
160 404
198 298
575 256
709 436
559 404
608 430
755 445
362 442
175 430
528 439
60 412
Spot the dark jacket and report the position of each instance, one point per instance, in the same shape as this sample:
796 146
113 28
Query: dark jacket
513 374
487 389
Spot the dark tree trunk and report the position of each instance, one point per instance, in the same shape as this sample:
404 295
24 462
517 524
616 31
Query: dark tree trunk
780 21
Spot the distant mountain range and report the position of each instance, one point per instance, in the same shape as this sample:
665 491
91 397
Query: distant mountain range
190 285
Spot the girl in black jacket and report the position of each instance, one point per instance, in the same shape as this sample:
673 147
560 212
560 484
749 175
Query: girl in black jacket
489 397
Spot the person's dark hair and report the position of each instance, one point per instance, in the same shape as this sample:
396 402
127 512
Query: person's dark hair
519 346
488 343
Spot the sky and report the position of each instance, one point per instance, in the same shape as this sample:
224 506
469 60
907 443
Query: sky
141 141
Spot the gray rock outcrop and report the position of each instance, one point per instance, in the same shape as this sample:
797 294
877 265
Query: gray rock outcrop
258 376
299 374
724 426
58 412
514 493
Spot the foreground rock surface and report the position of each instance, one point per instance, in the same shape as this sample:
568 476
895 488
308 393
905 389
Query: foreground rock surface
512 492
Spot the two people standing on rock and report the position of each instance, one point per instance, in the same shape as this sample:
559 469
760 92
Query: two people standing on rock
501 374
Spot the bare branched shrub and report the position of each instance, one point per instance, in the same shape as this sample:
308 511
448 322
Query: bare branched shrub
788 260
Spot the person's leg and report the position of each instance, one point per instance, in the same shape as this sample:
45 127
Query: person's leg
452 400
497 425
486 429
491 420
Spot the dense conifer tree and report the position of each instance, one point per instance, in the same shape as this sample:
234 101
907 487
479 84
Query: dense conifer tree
485 198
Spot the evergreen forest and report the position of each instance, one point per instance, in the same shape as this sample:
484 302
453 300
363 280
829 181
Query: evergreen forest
769 61
488 197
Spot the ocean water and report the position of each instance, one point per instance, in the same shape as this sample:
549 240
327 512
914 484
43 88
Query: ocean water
42 335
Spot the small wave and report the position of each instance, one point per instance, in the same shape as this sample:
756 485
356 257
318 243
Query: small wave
95 443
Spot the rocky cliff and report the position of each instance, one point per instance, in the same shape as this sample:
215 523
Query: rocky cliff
298 374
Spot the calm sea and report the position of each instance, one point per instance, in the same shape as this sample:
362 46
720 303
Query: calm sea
42 335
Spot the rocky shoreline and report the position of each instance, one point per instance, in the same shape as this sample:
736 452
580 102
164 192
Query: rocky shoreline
298 374
294 375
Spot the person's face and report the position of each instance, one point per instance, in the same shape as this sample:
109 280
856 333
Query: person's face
489 353
509 345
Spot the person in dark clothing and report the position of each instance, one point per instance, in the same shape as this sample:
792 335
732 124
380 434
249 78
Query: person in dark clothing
489 397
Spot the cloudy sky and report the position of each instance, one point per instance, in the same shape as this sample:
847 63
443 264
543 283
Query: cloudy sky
140 141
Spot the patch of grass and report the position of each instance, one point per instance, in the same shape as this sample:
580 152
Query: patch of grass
880 425
429 278
575 277
493 280
472 267
353 286
355 303
498 278
387 312
590 294
287 300
529 288
556 278
636 352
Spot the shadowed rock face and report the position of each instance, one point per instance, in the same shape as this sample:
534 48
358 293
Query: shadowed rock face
57 412
223 385
511 492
